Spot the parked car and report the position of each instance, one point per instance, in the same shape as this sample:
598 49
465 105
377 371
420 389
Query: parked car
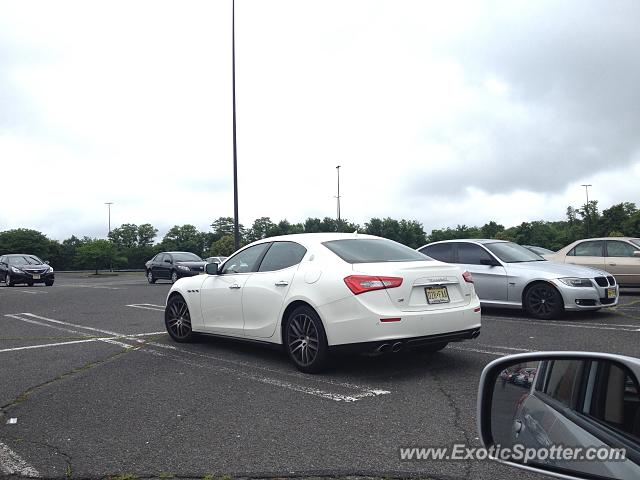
173 265
316 293
620 256
218 260
508 275
25 268
539 250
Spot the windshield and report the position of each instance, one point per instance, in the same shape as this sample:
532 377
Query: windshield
510 252
372 250
185 257
24 260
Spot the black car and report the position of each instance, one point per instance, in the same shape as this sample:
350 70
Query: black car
25 268
173 265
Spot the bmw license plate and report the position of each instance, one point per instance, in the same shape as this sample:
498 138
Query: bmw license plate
36 277
611 292
437 295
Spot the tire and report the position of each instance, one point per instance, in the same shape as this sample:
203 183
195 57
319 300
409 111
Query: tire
177 319
49 283
305 340
30 284
174 276
7 280
150 277
431 347
543 301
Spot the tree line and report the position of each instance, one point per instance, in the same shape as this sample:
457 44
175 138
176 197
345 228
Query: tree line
129 246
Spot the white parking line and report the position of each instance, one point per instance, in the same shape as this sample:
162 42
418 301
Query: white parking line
552 323
147 306
12 464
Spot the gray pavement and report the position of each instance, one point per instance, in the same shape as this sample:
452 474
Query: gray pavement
98 389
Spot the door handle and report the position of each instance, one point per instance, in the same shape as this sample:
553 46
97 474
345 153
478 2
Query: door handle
613 264
282 283
235 286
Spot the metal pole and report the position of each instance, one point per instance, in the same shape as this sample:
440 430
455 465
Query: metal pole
586 189
108 204
236 227
338 197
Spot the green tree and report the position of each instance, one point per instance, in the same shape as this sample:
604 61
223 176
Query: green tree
491 229
24 240
98 254
223 247
185 238
146 234
223 226
125 236
262 227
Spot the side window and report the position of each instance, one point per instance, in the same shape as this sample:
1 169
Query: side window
589 249
616 248
563 381
159 258
246 261
472 254
282 255
440 251
572 252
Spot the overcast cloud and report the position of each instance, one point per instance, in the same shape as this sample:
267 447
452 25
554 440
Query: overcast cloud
444 112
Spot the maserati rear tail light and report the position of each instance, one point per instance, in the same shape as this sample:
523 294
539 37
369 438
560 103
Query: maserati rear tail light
365 283
467 277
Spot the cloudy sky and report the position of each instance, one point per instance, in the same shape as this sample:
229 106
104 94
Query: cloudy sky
455 112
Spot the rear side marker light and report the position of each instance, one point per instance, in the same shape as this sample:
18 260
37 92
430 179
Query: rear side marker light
387 320
366 283
476 310
467 277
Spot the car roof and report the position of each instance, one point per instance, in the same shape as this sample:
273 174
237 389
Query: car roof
607 238
481 241
316 238
18 255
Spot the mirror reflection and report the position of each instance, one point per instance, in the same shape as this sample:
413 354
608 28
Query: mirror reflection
569 403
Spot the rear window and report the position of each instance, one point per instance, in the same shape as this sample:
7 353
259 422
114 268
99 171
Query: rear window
372 250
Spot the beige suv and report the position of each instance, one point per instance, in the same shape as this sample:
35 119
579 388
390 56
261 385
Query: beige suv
619 256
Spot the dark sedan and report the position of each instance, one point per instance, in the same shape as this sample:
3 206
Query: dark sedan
25 268
173 265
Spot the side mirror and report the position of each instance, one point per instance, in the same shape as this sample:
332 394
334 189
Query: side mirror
211 268
490 262
46 262
566 414
636 253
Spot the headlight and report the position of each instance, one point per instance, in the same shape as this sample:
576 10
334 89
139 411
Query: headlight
182 267
576 282
50 269
16 270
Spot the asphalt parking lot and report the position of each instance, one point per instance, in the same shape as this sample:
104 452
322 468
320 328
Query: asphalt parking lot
91 386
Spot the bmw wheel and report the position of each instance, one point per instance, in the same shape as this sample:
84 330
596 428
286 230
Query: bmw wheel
150 277
305 340
178 320
7 280
543 301
174 277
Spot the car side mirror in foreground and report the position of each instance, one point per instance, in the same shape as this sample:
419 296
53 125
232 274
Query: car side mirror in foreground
571 415
211 268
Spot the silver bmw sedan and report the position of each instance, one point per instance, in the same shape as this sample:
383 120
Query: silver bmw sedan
510 276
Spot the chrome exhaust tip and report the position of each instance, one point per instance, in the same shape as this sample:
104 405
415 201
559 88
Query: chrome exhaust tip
396 347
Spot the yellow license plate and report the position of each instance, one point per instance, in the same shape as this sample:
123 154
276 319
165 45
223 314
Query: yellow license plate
437 295
611 292
36 277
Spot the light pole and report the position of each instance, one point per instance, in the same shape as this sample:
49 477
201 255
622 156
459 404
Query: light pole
338 197
586 191
236 227
108 204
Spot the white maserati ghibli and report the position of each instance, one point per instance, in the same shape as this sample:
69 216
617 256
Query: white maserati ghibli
317 293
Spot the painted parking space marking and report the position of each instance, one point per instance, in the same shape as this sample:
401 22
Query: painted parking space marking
12 464
147 306
551 323
247 370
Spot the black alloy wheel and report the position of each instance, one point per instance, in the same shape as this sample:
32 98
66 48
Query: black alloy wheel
150 277
543 301
178 320
305 340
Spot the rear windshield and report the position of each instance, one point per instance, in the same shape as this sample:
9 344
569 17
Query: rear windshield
371 250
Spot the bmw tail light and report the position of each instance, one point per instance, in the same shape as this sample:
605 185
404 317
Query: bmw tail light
366 283
467 277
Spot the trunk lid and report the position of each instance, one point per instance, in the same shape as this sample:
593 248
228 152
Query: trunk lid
443 280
